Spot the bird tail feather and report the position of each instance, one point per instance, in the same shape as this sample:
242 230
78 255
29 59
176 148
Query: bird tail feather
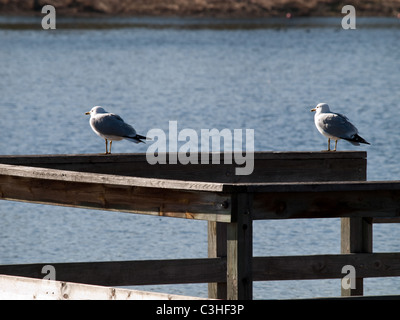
356 140
137 139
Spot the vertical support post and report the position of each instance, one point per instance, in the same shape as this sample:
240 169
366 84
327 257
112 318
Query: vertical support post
217 249
356 237
240 248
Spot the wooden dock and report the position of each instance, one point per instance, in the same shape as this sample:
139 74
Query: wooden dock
284 185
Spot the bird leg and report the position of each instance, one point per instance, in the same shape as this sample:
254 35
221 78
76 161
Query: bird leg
111 144
335 145
106 146
329 144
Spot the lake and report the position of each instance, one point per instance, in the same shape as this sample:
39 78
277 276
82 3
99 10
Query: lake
263 74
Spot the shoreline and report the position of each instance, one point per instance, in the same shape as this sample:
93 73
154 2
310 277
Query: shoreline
202 8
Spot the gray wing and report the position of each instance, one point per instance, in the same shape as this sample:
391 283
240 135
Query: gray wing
112 124
337 125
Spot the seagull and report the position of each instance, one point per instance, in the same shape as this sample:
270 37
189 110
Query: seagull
111 127
335 126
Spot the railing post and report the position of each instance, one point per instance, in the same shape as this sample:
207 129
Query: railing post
217 246
240 249
356 237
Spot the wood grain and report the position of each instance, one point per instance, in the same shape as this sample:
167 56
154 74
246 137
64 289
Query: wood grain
310 267
114 196
268 166
22 288
128 273
378 203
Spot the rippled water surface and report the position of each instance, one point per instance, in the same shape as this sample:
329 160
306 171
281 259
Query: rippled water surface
262 74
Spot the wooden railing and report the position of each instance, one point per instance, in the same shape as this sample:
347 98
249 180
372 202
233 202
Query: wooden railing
284 185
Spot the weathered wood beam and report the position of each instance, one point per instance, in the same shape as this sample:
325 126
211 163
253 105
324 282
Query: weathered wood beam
217 248
268 166
356 237
311 267
151 272
115 193
89 177
16 288
240 249
386 220
353 200
128 273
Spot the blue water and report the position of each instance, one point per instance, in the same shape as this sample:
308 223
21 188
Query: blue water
263 75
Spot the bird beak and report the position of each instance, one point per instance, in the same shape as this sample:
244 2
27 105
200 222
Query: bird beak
312 110
87 112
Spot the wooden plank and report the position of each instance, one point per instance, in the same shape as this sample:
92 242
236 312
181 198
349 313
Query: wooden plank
84 177
312 267
240 249
311 187
275 268
109 195
378 203
268 166
217 248
386 220
71 176
21 288
356 237
271 200
128 273
141 157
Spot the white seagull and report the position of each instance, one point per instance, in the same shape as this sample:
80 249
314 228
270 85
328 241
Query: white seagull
335 126
111 127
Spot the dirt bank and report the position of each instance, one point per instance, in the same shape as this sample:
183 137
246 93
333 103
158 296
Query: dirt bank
204 8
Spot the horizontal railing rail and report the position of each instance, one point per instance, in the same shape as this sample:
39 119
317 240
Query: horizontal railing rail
229 204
